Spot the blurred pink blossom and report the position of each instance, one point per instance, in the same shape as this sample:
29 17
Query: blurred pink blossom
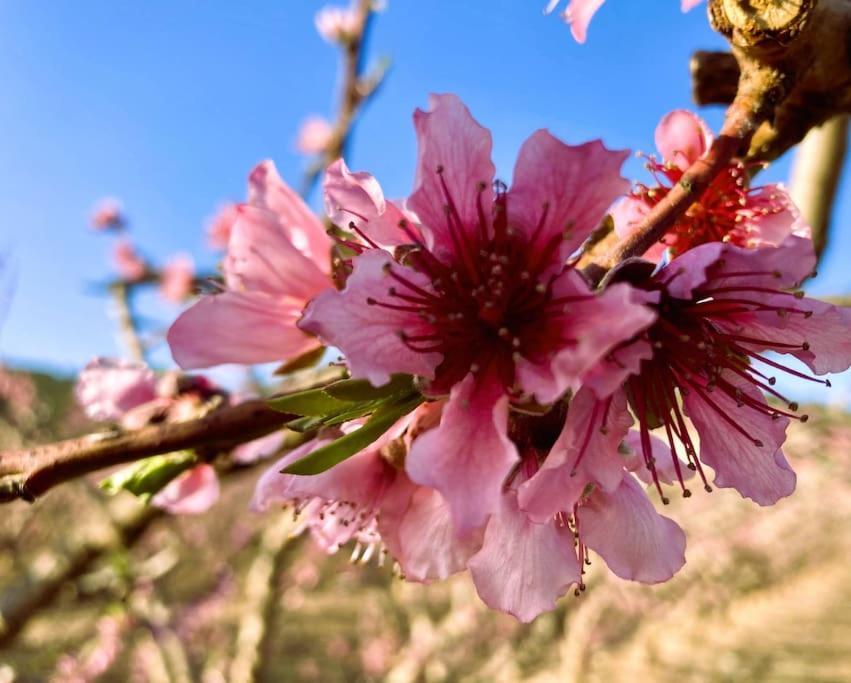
177 278
278 259
128 263
337 24
579 13
315 135
220 225
107 388
108 214
191 493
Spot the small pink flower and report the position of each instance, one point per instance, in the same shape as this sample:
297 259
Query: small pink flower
579 13
127 262
278 259
338 24
527 562
191 493
107 389
367 499
729 210
220 225
177 279
315 135
723 312
476 298
108 214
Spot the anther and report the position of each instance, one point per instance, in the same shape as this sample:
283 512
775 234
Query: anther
686 493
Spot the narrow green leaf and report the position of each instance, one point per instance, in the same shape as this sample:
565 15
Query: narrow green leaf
306 360
313 402
334 453
149 476
362 390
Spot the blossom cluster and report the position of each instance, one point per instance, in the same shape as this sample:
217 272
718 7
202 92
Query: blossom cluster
503 414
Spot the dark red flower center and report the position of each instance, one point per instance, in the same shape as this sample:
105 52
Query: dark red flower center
491 299
725 212
695 352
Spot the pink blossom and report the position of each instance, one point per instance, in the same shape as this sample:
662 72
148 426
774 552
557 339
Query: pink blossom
729 210
108 214
315 135
127 262
526 563
107 389
220 225
476 298
177 279
131 394
278 258
579 13
366 498
721 309
338 24
191 493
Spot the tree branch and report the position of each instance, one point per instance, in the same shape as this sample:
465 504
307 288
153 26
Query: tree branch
30 472
740 123
815 176
355 91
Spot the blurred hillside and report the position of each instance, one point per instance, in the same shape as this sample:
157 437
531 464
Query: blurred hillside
102 589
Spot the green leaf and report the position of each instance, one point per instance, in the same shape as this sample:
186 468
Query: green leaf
306 360
313 402
147 477
362 390
306 424
346 446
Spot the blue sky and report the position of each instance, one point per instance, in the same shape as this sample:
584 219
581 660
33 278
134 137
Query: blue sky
168 105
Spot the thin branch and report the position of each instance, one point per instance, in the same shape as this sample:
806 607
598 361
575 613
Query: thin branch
20 603
815 176
127 320
739 125
356 90
259 600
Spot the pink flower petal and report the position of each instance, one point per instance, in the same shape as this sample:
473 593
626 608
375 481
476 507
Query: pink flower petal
523 567
266 190
107 388
682 138
469 455
773 228
368 333
238 327
689 4
579 14
261 257
454 157
586 451
786 265
572 186
662 456
636 542
357 198
259 449
690 270
177 279
416 527
727 434
361 480
594 326
192 493
821 331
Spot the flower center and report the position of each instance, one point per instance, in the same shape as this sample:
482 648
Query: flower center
727 210
695 351
487 296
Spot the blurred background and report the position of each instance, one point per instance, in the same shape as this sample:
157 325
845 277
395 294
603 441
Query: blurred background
166 107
